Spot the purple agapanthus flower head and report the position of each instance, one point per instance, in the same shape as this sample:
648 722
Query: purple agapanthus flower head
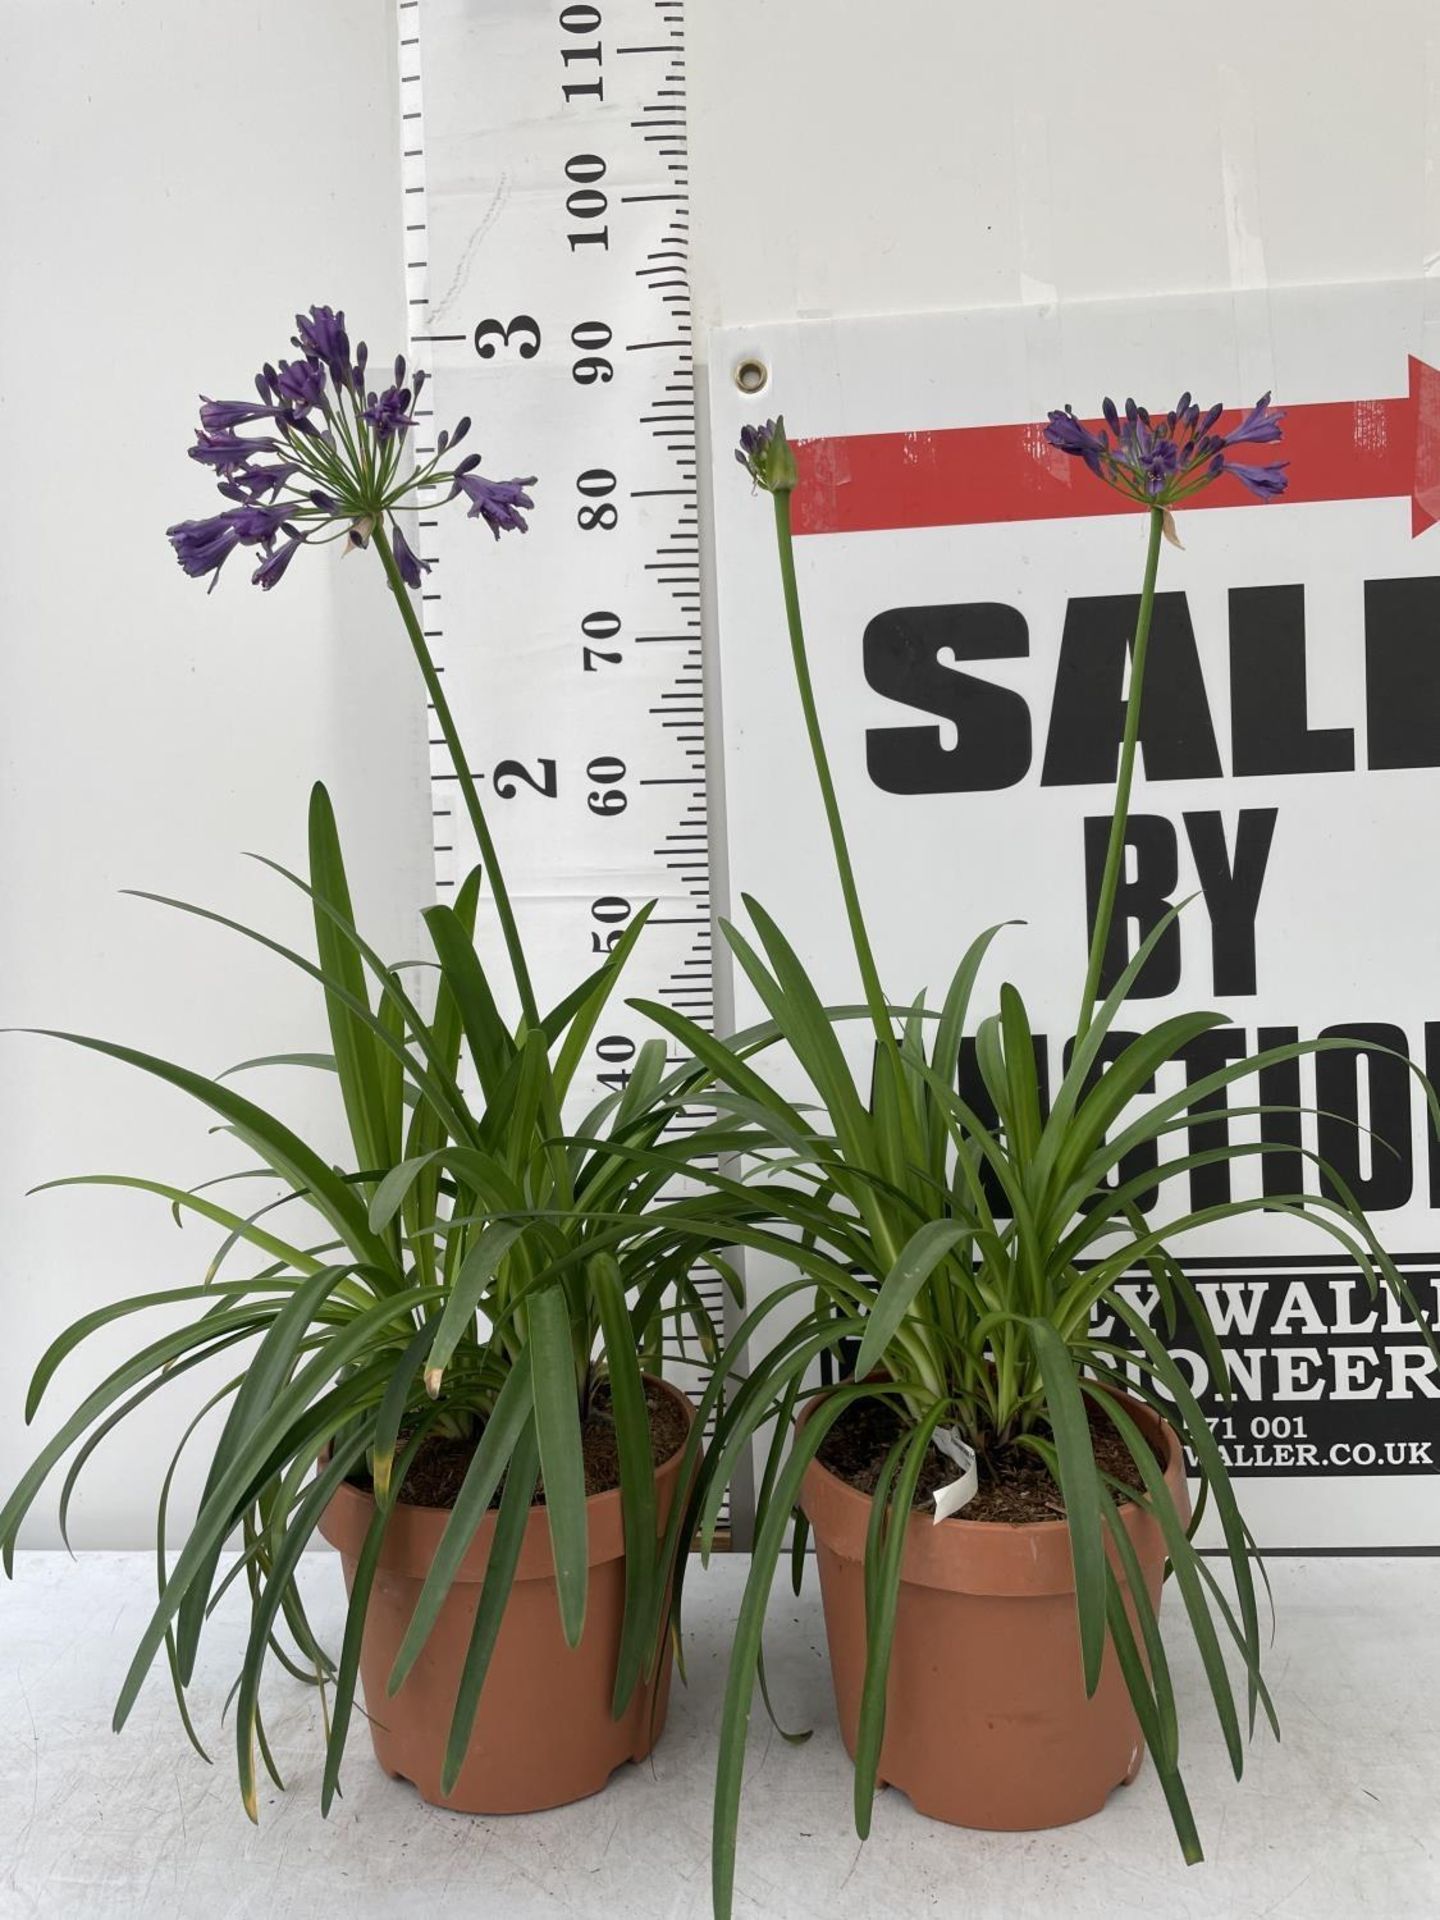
765 454
327 463
1165 460
496 502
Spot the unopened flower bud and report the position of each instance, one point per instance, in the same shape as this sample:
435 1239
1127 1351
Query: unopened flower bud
765 454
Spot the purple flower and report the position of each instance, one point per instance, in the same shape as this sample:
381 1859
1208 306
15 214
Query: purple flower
1163 462
1260 427
389 413
256 525
227 452
321 335
301 383
1159 461
203 546
252 483
412 567
272 568
1266 483
495 501
1073 436
223 416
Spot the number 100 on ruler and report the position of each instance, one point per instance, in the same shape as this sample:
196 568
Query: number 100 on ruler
546 242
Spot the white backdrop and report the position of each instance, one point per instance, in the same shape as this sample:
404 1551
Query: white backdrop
158 222
849 158
162 215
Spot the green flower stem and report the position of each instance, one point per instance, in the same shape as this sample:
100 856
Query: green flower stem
1115 852
462 773
869 973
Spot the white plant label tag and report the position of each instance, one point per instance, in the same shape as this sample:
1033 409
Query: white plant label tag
957 1493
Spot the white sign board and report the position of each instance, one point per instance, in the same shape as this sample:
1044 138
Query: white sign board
969 594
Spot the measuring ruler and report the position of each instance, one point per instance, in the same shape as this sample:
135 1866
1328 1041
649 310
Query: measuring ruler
547 233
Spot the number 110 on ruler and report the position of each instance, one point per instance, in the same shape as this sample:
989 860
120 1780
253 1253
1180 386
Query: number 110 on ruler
547 220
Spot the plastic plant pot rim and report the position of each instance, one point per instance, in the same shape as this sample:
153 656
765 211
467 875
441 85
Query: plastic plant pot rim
414 1532
985 1556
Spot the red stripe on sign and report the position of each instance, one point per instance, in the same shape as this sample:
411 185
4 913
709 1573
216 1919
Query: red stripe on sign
973 476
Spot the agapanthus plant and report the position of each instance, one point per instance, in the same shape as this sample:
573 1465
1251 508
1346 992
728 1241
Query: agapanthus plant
974 1253
468 1271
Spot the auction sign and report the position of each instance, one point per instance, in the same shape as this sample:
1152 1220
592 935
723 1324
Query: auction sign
969 595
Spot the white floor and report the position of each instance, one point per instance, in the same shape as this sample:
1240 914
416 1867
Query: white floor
1342 1819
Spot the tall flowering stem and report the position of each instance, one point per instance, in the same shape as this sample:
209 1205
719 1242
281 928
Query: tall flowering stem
1120 814
765 454
464 778
1160 461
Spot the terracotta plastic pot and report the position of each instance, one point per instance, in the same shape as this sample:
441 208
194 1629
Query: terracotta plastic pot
987 1723
544 1733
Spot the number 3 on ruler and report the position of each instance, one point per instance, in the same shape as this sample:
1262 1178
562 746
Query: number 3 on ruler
521 324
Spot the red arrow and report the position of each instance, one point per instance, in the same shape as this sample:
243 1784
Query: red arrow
964 476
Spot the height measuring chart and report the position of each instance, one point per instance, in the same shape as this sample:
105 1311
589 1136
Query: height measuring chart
969 595
545 228
546 240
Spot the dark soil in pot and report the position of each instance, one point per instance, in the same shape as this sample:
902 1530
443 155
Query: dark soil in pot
439 1468
1015 1485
